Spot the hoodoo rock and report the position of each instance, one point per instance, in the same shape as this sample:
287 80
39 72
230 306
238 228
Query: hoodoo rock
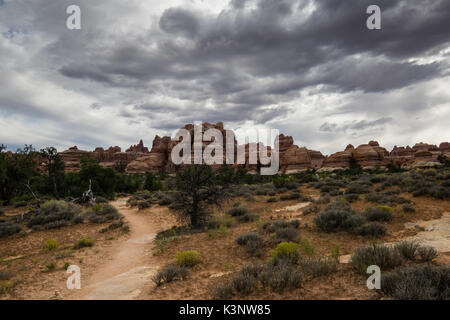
292 158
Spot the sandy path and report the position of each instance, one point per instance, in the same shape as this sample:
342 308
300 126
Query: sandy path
130 268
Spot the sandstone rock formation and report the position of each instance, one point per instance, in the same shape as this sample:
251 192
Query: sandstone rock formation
292 158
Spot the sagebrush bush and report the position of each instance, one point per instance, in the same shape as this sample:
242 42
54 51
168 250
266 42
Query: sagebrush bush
83 243
383 256
407 249
337 216
280 274
143 205
419 282
237 211
169 274
187 258
53 214
427 254
358 188
223 292
243 284
318 267
286 250
371 229
379 213
252 241
8 228
50 245
103 212
6 275
272 199
408 208
248 217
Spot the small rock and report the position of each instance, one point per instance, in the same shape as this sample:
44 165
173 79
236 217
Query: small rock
345 259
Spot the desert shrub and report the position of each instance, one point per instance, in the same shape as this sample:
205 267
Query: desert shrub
324 199
143 205
307 247
371 229
248 217
236 211
78 220
8 228
101 213
383 256
408 208
53 214
223 292
379 213
187 258
318 267
50 267
419 282
291 196
113 225
280 274
50 245
170 273
337 216
222 220
83 243
311 209
272 199
407 249
335 252
427 254
289 234
101 200
351 197
286 250
6 275
243 283
358 188
295 223
252 241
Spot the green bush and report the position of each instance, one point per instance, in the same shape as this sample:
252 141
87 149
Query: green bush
143 205
420 282
51 244
357 188
169 274
286 250
83 243
187 258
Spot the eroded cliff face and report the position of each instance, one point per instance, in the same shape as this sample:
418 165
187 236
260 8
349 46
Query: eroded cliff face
292 158
108 158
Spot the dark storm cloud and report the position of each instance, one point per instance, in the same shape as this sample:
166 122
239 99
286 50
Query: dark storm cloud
354 125
280 62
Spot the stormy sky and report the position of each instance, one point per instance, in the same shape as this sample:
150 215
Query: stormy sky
310 69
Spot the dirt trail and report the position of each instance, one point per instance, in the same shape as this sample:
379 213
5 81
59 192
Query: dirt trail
130 267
